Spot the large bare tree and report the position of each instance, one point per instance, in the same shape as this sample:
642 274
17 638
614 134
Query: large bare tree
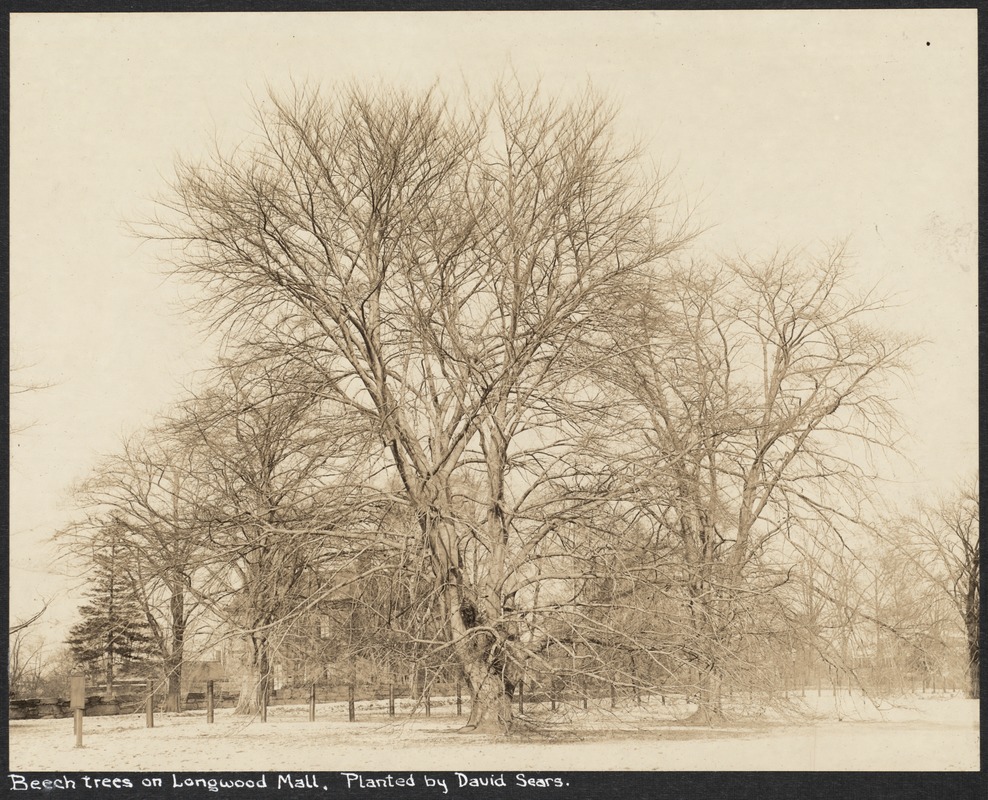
432 262
762 389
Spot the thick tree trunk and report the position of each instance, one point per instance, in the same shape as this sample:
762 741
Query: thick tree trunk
173 699
471 618
709 709
256 683
707 629
490 703
479 651
490 693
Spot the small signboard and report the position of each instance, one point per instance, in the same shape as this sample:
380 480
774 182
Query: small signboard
77 692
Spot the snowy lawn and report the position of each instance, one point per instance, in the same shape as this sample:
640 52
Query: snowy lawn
915 733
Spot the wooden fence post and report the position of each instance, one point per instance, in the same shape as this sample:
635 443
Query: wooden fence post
312 702
521 697
149 706
613 696
459 699
264 700
209 701
391 698
351 703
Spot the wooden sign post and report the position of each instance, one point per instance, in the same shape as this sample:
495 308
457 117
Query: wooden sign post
77 702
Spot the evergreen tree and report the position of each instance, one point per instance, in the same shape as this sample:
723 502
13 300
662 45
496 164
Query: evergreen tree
113 638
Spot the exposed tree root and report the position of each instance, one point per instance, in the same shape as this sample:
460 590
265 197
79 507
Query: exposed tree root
490 728
707 717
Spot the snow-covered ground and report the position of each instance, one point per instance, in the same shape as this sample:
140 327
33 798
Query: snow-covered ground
918 732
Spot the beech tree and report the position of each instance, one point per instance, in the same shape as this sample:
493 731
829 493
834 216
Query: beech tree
286 507
432 264
762 388
945 541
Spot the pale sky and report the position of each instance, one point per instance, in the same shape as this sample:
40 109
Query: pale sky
787 128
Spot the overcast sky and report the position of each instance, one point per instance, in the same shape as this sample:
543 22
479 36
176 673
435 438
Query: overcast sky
786 128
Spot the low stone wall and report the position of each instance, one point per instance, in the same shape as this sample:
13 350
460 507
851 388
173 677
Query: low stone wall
96 706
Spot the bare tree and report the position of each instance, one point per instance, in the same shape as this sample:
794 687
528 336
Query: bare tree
432 266
25 661
762 389
284 509
144 498
945 541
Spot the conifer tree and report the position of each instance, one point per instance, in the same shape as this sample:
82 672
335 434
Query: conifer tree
113 638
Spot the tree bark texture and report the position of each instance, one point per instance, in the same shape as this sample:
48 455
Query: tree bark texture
256 682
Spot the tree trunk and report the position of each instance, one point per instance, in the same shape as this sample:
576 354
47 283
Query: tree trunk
706 614
974 658
471 620
709 709
257 676
972 612
176 652
173 699
482 661
490 704
108 675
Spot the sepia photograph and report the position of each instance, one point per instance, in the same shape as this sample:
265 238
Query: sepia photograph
461 400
